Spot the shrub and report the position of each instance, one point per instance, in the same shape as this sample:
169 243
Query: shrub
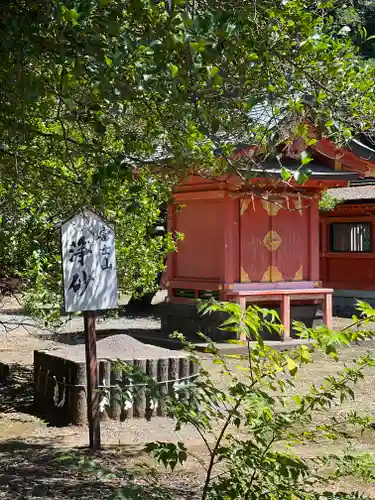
251 427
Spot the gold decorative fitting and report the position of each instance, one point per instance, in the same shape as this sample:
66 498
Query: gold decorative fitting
272 241
244 205
272 275
220 287
230 287
317 284
299 274
272 207
338 165
244 276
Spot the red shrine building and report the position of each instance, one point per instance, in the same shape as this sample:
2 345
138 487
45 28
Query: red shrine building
347 233
253 241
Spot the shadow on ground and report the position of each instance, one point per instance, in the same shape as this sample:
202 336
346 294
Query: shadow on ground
17 394
16 389
51 471
29 471
134 311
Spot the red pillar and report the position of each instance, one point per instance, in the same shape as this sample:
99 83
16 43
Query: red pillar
171 258
314 242
231 250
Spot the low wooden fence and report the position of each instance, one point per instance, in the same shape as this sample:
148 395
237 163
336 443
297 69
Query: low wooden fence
60 386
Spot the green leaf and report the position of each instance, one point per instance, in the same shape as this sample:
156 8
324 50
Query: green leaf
292 366
104 3
301 176
235 341
305 158
306 354
87 465
218 362
108 61
297 398
198 46
173 69
70 104
286 174
215 125
72 15
217 80
332 351
243 368
213 71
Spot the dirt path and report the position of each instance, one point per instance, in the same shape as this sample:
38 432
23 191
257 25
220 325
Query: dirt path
17 343
40 461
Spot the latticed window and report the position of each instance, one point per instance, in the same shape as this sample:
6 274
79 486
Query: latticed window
351 237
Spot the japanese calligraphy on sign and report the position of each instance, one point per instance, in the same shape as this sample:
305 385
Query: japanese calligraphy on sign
89 263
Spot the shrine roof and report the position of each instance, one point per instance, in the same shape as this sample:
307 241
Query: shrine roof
362 148
318 170
358 192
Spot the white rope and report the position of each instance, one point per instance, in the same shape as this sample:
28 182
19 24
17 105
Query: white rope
105 399
129 401
56 393
103 386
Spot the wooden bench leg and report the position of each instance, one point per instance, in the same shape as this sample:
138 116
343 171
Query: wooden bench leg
327 310
242 301
285 315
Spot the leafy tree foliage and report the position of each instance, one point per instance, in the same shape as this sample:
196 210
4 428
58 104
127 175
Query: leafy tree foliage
359 16
251 427
328 202
90 90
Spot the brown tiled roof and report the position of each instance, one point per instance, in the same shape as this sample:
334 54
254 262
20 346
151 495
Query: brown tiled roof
364 190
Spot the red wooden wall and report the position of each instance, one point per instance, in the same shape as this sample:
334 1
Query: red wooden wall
200 254
347 270
231 238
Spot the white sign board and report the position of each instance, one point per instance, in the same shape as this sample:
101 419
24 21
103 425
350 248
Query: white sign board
89 263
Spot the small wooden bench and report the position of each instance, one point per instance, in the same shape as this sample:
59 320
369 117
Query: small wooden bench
284 297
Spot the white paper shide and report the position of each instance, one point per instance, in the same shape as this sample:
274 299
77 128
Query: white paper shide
89 263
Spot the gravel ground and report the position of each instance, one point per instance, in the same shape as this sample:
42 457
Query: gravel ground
118 346
30 450
20 335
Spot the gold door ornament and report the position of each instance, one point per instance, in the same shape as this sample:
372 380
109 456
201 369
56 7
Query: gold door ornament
244 276
272 275
299 274
272 241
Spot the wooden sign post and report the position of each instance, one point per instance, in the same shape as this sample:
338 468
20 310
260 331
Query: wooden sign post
90 285
93 396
